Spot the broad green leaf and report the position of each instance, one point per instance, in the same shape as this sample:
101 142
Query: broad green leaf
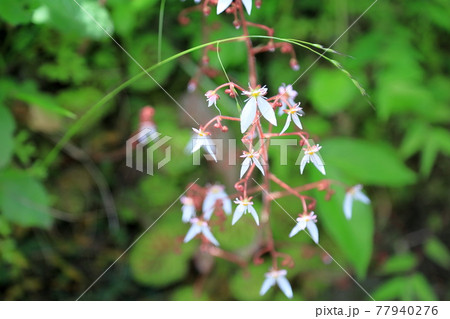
399 263
330 91
437 252
68 17
240 235
7 126
246 283
354 237
158 258
189 293
24 200
17 12
366 162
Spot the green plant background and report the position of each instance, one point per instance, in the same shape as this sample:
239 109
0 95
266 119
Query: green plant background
67 214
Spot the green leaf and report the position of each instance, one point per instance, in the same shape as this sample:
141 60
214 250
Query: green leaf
330 91
399 263
391 290
7 126
422 288
246 283
437 252
354 237
157 258
24 200
367 162
43 101
17 12
68 17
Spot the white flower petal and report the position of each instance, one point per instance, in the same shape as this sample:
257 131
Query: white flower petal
296 120
313 231
269 282
285 286
304 161
267 110
209 235
248 114
245 166
315 159
286 126
197 142
258 164
238 213
295 230
208 205
361 197
222 5
188 213
192 232
248 5
227 205
207 143
348 203
252 211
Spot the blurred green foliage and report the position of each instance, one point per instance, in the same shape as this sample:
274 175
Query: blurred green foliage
56 233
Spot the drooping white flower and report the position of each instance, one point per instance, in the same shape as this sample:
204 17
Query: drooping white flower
312 156
188 209
277 277
250 157
289 94
215 193
256 100
201 139
354 193
244 206
293 114
200 227
307 221
222 5
211 98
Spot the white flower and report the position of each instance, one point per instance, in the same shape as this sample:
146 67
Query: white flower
256 100
278 277
215 193
201 139
293 114
307 221
245 205
250 157
211 98
289 94
200 226
311 156
188 208
354 193
222 5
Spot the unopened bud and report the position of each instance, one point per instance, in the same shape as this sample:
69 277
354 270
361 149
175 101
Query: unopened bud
258 4
236 24
294 64
217 125
192 86
224 128
205 60
183 20
206 10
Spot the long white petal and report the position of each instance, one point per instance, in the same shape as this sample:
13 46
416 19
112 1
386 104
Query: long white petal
208 205
362 197
296 120
197 142
238 213
188 213
313 231
304 161
258 164
192 232
245 165
227 205
348 203
252 211
269 282
248 114
248 5
295 230
207 145
285 286
318 163
209 235
286 126
267 110
222 5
